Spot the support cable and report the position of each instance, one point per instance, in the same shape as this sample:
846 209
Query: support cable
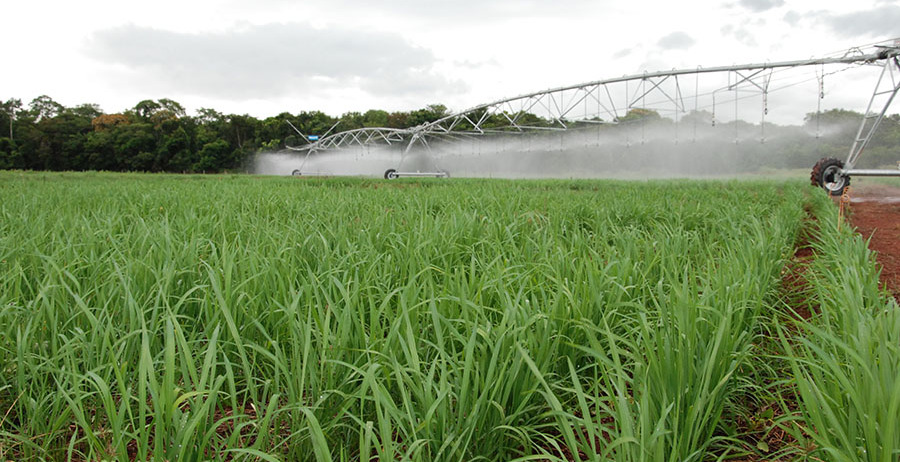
820 79
643 110
696 103
736 107
765 108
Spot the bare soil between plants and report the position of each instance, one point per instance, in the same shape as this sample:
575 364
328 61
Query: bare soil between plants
875 212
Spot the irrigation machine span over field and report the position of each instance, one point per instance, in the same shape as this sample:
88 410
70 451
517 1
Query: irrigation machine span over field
666 92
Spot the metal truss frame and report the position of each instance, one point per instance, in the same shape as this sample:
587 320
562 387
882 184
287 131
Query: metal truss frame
885 90
575 106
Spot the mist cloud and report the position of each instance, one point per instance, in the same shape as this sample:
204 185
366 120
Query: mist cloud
637 150
271 60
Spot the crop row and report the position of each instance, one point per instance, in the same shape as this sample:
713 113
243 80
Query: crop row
188 318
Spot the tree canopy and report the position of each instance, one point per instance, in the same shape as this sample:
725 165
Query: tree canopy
159 135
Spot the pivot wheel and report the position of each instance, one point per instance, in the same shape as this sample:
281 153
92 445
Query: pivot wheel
826 174
390 174
296 173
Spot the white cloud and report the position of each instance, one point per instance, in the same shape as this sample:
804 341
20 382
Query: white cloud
759 6
877 22
342 55
741 34
269 60
676 41
792 18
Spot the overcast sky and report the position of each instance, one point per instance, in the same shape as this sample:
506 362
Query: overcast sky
264 57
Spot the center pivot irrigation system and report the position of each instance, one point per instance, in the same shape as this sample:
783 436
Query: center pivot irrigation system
671 94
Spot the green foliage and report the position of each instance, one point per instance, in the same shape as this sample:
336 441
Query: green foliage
430 113
639 114
175 151
219 317
9 158
351 121
8 113
846 359
43 107
375 118
88 111
213 156
833 117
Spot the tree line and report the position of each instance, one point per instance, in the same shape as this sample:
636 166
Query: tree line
159 136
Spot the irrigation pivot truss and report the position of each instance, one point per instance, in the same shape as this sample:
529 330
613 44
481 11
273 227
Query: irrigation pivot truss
673 94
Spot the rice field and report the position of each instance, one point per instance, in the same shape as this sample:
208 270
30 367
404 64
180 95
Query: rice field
182 318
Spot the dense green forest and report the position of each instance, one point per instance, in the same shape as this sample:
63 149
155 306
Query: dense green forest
159 136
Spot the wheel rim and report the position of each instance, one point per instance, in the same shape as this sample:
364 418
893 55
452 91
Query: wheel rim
832 179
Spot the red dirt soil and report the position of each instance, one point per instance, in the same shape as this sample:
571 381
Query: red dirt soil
875 212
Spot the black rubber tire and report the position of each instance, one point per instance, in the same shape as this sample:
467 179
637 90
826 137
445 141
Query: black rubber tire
824 176
296 173
390 174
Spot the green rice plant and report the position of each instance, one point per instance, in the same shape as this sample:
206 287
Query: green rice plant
663 384
846 360
178 317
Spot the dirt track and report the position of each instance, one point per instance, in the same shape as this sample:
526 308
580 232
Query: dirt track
875 212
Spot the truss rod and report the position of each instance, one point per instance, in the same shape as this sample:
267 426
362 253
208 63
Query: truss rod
865 58
554 100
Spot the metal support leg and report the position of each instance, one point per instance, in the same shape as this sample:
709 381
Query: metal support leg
885 90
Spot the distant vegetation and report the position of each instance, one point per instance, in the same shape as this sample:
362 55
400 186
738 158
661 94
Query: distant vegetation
159 136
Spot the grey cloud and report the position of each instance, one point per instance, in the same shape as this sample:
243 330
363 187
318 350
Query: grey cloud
461 10
413 83
745 36
792 17
623 53
676 41
271 60
878 22
468 64
741 34
759 6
